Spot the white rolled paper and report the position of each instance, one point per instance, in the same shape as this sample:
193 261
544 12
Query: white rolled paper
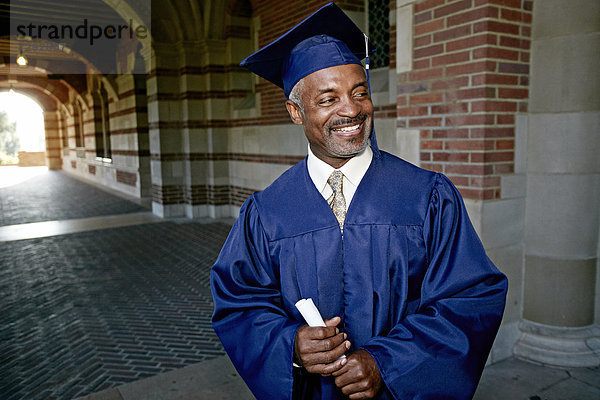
309 311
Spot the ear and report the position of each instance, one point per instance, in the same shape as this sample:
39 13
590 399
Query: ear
295 112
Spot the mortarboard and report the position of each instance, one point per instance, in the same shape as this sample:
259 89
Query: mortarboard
326 38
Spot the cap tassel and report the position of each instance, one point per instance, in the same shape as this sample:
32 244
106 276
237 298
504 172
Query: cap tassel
367 61
373 138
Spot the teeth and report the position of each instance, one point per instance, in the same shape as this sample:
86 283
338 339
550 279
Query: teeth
347 129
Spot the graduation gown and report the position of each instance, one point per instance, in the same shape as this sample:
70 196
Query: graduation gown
409 278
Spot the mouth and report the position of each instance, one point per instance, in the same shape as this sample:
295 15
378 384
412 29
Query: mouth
347 131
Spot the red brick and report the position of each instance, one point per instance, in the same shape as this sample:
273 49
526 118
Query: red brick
524 81
517 16
427 27
426 74
433 167
493 79
476 93
412 111
504 168
432 145
412 88
523 107
494 52
412 123
526 31
507 3
451 8
472 15
450 108
425 156
513 68
425 134
479 194
426 98
495 26
461 133
453 33
505 93
422 64
472 41
492 132
454 83
484 181
490 105
422 17
469 119
451 157
402 101
428 51
504 119
452 58
505 144
471 68
459 180
422 41
469 145
517 43
427 4
469 169
524 56
502 156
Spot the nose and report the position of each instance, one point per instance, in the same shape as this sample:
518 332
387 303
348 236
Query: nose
348 107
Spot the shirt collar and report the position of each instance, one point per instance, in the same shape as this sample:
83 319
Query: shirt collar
353 170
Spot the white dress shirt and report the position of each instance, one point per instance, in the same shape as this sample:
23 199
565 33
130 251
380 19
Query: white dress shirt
353 171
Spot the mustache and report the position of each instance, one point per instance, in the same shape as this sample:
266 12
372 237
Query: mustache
360 118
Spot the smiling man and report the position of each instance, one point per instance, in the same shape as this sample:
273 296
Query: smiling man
384 249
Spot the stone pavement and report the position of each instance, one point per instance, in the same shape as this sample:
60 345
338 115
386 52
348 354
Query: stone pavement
121 310
93 310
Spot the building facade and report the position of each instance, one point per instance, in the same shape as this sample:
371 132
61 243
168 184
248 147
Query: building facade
499 95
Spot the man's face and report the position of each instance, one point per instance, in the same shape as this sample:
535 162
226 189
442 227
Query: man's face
338 113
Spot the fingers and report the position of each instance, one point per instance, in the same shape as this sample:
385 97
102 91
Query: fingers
359 378
321 353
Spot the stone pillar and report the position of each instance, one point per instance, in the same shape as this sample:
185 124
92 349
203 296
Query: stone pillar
167 162
563 187
53 144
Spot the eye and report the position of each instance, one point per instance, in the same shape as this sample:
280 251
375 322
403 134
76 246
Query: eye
326 101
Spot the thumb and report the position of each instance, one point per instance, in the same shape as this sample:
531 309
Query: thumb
333 321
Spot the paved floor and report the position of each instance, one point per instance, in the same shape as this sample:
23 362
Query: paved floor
92 310
114 305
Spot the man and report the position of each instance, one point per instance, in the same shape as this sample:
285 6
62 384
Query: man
385 250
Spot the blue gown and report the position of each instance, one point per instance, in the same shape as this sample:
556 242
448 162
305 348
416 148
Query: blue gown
410 280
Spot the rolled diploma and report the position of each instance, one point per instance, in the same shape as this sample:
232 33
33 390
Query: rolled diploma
309 311
311 314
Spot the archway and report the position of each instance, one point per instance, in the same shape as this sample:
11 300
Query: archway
28 143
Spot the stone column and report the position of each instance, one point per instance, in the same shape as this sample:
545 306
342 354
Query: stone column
167 161
53 144
563 187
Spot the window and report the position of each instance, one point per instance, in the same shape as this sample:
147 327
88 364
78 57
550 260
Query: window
379 32
78 123
102 125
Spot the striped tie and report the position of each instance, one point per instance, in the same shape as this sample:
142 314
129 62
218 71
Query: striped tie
337 202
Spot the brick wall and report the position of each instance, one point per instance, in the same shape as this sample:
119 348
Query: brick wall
469 79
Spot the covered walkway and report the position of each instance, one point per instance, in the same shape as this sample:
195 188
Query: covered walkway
104 300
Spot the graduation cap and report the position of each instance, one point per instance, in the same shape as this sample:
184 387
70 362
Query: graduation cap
327 38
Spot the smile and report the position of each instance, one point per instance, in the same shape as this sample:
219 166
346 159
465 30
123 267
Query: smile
347 130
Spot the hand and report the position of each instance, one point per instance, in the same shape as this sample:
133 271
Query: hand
319 348
359 378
